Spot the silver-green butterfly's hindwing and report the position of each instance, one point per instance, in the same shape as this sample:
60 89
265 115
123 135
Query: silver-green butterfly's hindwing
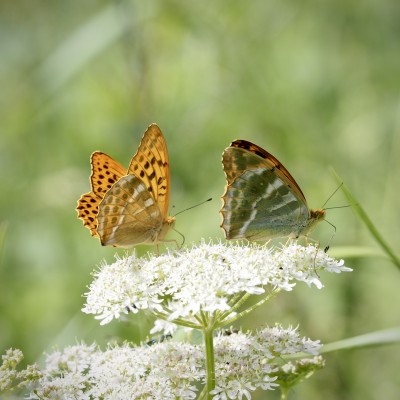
128 215
259 206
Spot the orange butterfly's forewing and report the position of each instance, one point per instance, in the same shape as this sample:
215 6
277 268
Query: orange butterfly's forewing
128 207
151 165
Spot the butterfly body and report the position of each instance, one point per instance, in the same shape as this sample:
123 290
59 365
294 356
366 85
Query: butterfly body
261 199
129 207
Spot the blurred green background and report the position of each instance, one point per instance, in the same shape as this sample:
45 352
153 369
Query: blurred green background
315 83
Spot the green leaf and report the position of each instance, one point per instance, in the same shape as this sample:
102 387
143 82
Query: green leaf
356 252
377 338
367 221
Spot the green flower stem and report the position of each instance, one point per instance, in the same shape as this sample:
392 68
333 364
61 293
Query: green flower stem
199 319
234 299
234 303
210 362
202 394
237 304
204 319
178 321
187 324
249 310
284 393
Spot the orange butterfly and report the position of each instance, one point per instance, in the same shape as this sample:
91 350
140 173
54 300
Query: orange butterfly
125 208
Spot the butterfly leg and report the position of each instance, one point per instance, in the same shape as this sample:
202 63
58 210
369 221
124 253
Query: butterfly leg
164 241
315 258
176 243
288 242
183 239
326 248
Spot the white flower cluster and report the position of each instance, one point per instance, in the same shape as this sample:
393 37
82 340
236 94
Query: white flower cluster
163 371
168 370
10 377
205 278
245 363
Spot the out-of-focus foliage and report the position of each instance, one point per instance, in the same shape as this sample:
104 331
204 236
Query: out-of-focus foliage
315 83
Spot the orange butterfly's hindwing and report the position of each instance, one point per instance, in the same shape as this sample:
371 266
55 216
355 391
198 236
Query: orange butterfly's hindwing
105 172
129 215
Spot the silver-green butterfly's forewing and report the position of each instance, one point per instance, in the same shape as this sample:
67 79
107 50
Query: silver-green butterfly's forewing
261 199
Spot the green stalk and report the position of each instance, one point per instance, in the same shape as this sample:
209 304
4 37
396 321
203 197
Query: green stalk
210 362
178 321
250 309
368 223
284 393
202 394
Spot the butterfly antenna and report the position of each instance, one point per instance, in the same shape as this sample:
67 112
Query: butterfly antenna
348 205
333 193
205 201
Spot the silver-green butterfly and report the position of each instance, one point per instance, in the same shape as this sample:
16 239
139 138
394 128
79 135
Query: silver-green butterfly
261 199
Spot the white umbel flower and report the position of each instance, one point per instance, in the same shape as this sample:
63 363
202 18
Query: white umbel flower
244 362
183 286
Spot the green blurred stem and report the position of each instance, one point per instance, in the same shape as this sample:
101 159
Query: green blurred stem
371 227
210 362
3 231
284 393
